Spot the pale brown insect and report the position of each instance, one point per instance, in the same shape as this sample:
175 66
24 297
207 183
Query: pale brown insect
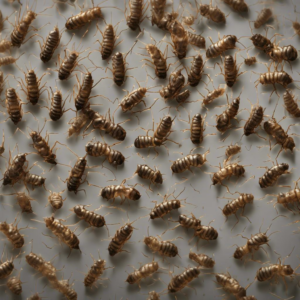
231 285
65 288
286 53
180 281
179 38
206 232
144 271
33 180
249 61
263 17
157 10
145 172
212 95
164 248
57 106
176 83
153 296
182 97
5 45
95 271
24 201
190 223
262 42
227 171
196 71
137 10
2 82
62 232
97 149
192 160
237 5
290 103
14 284
55 200
224 120
13 234
212 13
196 40
232 150
13 105
35 296
254 120
272 175
75 176
2 149
226 43
291 197
202 259
6 267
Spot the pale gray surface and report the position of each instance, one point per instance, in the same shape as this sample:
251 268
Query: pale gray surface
205 199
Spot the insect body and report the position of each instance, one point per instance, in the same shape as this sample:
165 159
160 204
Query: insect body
262 43
15 171
287 53
84 92
57 110
232 150
35 296
159 61
133 19
33 180
153 296
64 287
15 285
13 106
8 60
231 70
263 17
207 233
273 174
157 10
290 104
94 272
52 42
163 130
195 74
212 13
119 70
80 121
202 259
249 61
133 99
68 65
212 95
6 268
255 119
93 219
24 202
56 200
180 281
5 45
290 197
176 83
227 171
144 271
75 177
231 285
164 248
179 38
164 208
237 5
145 172
13 234
218 48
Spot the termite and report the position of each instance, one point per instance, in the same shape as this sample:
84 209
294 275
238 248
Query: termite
145 172
290 103
263 17
55 200
180 281
212 95
179 38
211 12
237 5
13 105
14 284
272 175
226 43
12 233
196 71
192 160
202 260
94 273
157 10
97 149
196 40
176 83
137 10
164 248
144 271
24 201
57 106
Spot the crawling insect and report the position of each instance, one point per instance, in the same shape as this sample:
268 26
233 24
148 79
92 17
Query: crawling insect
231 70
2 82
95 271
180 281
262 43
224 120
62 232
75 176
65 288
145 172
24 201
157 10
13 105
14 284
97 149
231 285
121 236
5 45
290 104
176 83
286 53
226 43
56 200
183 96
212 13
196 40
263 17
6 267
192 160
164 248
272 175
137 10
196 71
232 150
227 171
13 234
202 259
166 22
144 271
190 223
179 38
57 106
237 5
254 120
8 60
33 180
2 148
212 95
206 232
153 296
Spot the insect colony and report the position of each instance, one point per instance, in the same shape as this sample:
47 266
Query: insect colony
178 84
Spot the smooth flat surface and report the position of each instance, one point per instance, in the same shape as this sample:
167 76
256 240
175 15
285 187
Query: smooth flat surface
202 198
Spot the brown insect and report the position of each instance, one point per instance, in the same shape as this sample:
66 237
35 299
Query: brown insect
157 10
153 296
12 233
291 197
14 284
2 149
24 201
57 106
212 95
6 267
65 288
202 259
164 248
135 17
166 22
224 120
2 82
291 104
95 271
254 120
272 175
249 61
212 13
144 271
56 200
196 71
97 149
179 38
261 42
62 232
263 17
196 40
8 60
237 5
192 160
206 232
182 97
35 296
232 150
180 281
176 83
33 180
287 53
231 285
226 43
121 236
145 172
5 45
13 105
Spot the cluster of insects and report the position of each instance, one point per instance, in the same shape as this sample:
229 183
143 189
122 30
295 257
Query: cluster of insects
175 84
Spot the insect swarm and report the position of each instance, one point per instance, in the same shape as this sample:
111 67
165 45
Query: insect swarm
224 44
164 248
237 5
202 259
13 234
263 17
291 104
95 271
144 271
14 284
272 175
137 9
212 13
180 281
196 71
179 38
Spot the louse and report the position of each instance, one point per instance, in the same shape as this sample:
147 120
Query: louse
176 83
212 95
272 175
13 105
211 12
196 71
55 200
14 284
237 5
196 40
137 9
65 288
57 106
147 270
157 10
96 270
224 120
192 160
145 172
12 233
180 281
180 39
263 17
23 200
232 207
226 43
97 149
290 103
163 248
202 260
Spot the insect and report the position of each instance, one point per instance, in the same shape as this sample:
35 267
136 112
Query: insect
6 267
263 17
15 285
196 40
212 95
56 200
212 13
50 45
65 288
166 22
237 5
13 105
5 45
35 296
224 120
290 197
137 9
249 61
272 175
97 149
145 172
232 150
2 149
57 105
157 11
202 259
24 201
282 138
176 83
153 296
164 248
254 120
192 160
33 180
95 271
290 104
206 232
261 42
196 71
62 232
121 236
144 271
8 60
179 38
84 91
287 53
12 233
226 43
111 192
231 285
2 82
180 281
234 205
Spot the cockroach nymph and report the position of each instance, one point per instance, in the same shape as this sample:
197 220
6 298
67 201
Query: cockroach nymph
7 267
285 53
8 60
232 150
291 197
94 273
13 105
14 284
176 83
157 10
180 281
179 38
212 13
164 248
24 201
196 71
202 259
145 172
56 200
137 10
254 120
212 95
226 43
272 175
196 40
237 5
263 17
262 42
33 180
13 234
206 232
291 104
57 106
